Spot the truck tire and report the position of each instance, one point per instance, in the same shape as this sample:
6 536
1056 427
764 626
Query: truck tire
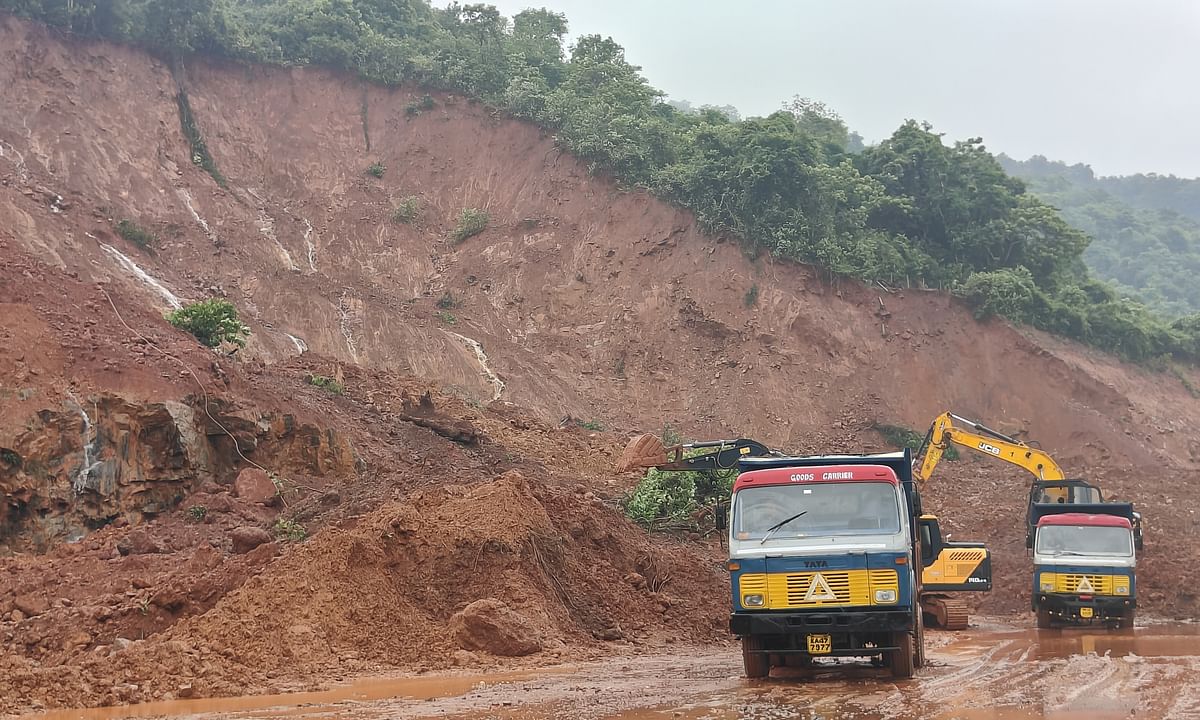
902 660
1043 619
756 664
1127 617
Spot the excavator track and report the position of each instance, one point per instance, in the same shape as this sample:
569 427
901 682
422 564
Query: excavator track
947 613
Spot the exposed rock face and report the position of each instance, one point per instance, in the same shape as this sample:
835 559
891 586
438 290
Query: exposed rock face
100 459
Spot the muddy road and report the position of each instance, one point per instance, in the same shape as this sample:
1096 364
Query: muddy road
991 671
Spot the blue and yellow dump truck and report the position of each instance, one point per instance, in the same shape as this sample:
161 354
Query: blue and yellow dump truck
1084 560
823 556
825 552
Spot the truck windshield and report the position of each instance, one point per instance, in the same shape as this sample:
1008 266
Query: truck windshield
853 508
1084 540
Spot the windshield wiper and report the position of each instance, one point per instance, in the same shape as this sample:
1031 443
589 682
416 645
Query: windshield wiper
771 530
1067 552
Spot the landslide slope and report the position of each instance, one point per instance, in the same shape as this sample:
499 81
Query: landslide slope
579 299
586 300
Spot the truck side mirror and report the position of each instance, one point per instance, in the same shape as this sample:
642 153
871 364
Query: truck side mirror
721 516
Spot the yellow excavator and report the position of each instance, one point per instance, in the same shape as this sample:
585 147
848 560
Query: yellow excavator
947 567
1051 485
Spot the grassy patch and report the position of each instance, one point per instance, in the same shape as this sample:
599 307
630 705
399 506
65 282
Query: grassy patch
751 297
471 222
446 316
408 211
327 384
289 530
137 235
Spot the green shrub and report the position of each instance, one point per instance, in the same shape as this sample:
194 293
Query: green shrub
134 233
416 107
446 317
326 383
212 321
10 457
197 513
661 497
447 301
290 530
899 436
408 211
376 169
471 222
593 425
751 298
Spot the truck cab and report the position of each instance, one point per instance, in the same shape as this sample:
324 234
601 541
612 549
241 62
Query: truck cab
822 554
1084 570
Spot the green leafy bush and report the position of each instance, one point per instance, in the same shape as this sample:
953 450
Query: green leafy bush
471 222
751 297
446 317
326 383
376 169
447 301
416 107
290 530
212 321
197 513
408 211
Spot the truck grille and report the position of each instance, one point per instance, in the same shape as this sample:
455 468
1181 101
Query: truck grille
835 588
1070 582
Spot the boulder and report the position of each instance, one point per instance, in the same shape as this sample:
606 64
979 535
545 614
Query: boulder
491 626
31 605
138 542
254 486
246 539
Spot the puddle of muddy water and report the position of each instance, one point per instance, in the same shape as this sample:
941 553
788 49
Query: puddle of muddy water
307 703
1152 641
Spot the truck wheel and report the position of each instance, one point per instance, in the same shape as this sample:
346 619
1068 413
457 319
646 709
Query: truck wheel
901 660
1127 617
1043 619
756 664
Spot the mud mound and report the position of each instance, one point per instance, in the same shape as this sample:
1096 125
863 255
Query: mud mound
386 591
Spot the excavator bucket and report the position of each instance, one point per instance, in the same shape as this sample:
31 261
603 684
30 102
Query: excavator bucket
642 451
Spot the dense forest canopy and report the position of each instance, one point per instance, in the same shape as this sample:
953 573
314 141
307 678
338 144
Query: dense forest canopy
910 211
1150 254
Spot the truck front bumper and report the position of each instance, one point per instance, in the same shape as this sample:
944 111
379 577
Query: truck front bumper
1071 609
851 633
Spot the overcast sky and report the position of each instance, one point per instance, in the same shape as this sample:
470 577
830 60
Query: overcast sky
1111 83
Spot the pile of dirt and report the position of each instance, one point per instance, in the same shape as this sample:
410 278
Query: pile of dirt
411 584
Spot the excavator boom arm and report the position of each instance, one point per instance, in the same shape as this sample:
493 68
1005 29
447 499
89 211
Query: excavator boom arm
950 428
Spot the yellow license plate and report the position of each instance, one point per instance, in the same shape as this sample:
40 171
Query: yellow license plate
1085 612
820 644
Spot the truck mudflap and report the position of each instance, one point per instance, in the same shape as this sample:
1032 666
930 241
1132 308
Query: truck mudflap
1083 610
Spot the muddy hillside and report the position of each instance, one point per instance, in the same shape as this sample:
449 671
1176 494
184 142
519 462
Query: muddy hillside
209 524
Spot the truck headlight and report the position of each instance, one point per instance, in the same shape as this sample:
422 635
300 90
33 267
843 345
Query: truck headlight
885 596
1046 584
752 600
